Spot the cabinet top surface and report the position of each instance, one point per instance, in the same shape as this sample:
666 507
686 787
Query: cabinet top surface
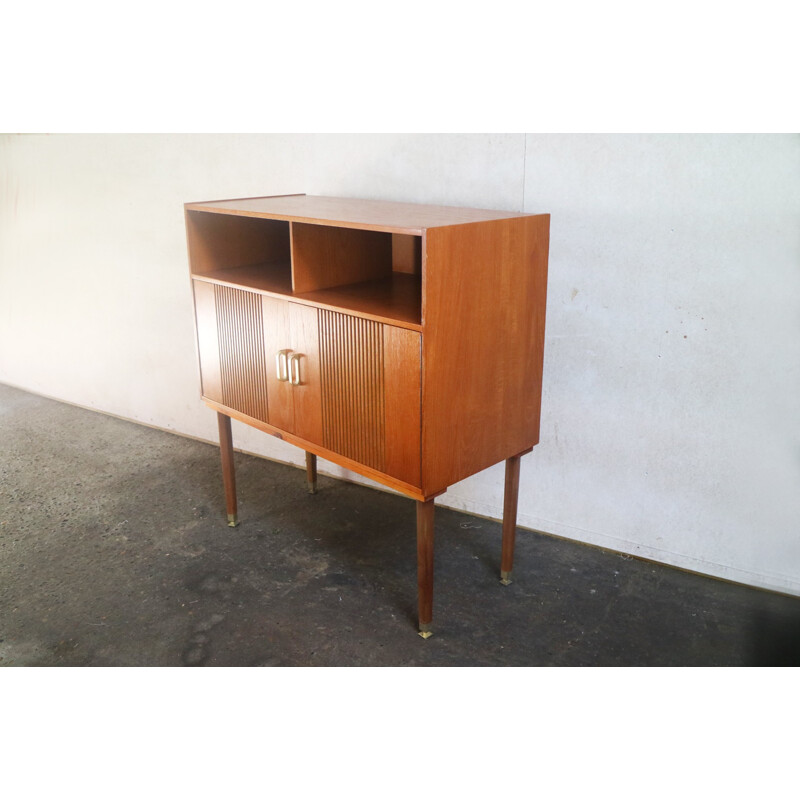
348 212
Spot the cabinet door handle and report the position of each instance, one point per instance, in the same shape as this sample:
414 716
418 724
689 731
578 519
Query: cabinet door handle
294 369
282 365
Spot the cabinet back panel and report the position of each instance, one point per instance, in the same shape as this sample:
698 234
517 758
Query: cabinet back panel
219 241
323 257
407 253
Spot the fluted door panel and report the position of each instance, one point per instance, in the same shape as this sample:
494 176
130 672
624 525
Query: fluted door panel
352 373
243 366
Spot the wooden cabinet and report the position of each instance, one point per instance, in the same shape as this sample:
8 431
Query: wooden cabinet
403 342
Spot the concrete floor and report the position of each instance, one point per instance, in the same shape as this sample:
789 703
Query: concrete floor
114 552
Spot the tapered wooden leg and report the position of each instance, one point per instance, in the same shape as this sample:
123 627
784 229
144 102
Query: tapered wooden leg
425 565
509 519
228 473
311 472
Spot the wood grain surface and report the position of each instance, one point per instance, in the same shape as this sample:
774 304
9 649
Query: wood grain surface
323 256
484 298
207 340
403 392
413 218
219 241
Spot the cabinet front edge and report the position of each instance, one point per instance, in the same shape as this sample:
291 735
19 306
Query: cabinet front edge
199 205
328 223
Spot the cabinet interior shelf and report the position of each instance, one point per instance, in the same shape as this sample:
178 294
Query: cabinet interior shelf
396 299
269 278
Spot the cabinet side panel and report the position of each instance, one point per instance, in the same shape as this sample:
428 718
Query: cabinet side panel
485 287
207 340
402 377
277 338
241 347
323 257
307 395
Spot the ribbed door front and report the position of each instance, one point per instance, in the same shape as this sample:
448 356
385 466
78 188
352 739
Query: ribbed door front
352 377
243 369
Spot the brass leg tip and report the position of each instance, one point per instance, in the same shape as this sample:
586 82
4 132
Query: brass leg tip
425 631
312 487
233 520
505 577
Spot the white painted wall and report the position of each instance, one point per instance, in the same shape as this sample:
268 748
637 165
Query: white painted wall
671 418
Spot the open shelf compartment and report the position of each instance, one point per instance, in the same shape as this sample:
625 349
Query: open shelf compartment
374 274
240 250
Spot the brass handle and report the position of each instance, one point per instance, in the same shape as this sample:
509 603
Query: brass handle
294 369
282 365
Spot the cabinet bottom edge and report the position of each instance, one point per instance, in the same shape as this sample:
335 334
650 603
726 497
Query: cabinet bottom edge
414 492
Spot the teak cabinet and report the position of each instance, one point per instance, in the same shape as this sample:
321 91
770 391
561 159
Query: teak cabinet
403 342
